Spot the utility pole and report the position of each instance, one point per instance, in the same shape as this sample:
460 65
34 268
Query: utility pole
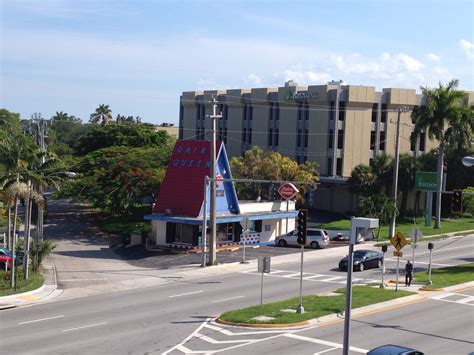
395 168
212 244
41 132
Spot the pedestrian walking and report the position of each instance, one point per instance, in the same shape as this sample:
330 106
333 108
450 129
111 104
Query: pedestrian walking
408 273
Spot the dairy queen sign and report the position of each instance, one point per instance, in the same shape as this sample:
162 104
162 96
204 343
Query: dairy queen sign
287 191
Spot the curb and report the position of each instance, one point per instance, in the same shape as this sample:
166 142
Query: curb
357 312
262 325
51 289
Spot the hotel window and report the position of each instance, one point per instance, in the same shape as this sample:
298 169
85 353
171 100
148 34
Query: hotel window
372 139
331 139
412 145
374 112
382 140
306 138
339 167
277 134
340 139
332 111
422 141
383 118
342 110
244 135
270 137
299 138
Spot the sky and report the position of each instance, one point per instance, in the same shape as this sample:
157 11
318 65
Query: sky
139 56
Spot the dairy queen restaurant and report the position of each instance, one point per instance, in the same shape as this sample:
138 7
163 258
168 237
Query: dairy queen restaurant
177 217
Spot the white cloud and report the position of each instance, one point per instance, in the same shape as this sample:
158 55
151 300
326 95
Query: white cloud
433 57
468 48
304 78
252 80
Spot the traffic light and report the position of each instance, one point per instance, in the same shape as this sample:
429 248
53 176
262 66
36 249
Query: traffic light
457 201
301 222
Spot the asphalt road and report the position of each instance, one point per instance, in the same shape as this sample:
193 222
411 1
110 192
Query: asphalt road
158 318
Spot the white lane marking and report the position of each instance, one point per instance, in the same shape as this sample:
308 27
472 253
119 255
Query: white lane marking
338 278
324 342
229 333
421 262
185 294
292 275
325 351
214 341
84 326
181 346
313 277
466 300
227 299
42 319
73 280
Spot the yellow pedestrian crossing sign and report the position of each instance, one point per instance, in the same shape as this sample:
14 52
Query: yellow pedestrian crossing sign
398 241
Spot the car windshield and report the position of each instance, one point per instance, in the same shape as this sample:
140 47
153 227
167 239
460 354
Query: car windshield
6 252
359 254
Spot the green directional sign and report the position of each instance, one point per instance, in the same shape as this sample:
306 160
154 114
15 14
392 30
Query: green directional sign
426 181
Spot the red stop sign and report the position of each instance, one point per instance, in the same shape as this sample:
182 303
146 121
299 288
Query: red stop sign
287 191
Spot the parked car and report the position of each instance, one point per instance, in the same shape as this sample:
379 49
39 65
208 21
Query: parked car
316 238
390 349
339 237
363 259
6 258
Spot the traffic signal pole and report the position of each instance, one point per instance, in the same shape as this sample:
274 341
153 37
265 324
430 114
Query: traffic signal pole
301 239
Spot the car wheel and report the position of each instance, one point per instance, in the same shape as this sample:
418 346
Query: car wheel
282 243
314 245
379 264
361 267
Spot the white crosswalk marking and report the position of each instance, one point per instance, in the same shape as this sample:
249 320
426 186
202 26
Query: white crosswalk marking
312 277
464 300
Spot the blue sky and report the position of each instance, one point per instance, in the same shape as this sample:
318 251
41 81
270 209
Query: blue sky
139 56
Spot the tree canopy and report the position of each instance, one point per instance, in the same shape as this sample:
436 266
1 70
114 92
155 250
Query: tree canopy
125 134
119 178
267 165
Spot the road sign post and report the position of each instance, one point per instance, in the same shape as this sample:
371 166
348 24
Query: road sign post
384 250
245 229
430 247
263 267
415 236
398 241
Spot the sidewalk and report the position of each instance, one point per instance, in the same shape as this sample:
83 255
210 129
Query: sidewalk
45 292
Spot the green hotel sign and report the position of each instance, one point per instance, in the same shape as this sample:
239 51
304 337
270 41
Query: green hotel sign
426 181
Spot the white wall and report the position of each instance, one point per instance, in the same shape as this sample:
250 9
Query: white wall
248 207
158 233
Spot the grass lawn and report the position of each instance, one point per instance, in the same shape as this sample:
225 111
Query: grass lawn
405 225
35 281
448 276
314 306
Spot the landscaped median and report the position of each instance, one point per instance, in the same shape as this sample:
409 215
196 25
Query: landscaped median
283 312
447 276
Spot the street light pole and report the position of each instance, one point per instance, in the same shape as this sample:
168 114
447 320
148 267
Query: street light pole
212 247
395 168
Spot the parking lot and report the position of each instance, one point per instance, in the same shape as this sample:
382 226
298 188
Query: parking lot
164 259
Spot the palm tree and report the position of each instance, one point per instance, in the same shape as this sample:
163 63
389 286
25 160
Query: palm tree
102 115
382 167
448 119
60 116
362 180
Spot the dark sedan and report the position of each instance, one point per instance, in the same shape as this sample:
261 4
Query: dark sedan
364 259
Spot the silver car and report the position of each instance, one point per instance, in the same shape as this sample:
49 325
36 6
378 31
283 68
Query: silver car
316 238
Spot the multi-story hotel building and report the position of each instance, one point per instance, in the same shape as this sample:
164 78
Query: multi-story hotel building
336 125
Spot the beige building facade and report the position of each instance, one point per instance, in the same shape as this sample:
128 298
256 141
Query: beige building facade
338 126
